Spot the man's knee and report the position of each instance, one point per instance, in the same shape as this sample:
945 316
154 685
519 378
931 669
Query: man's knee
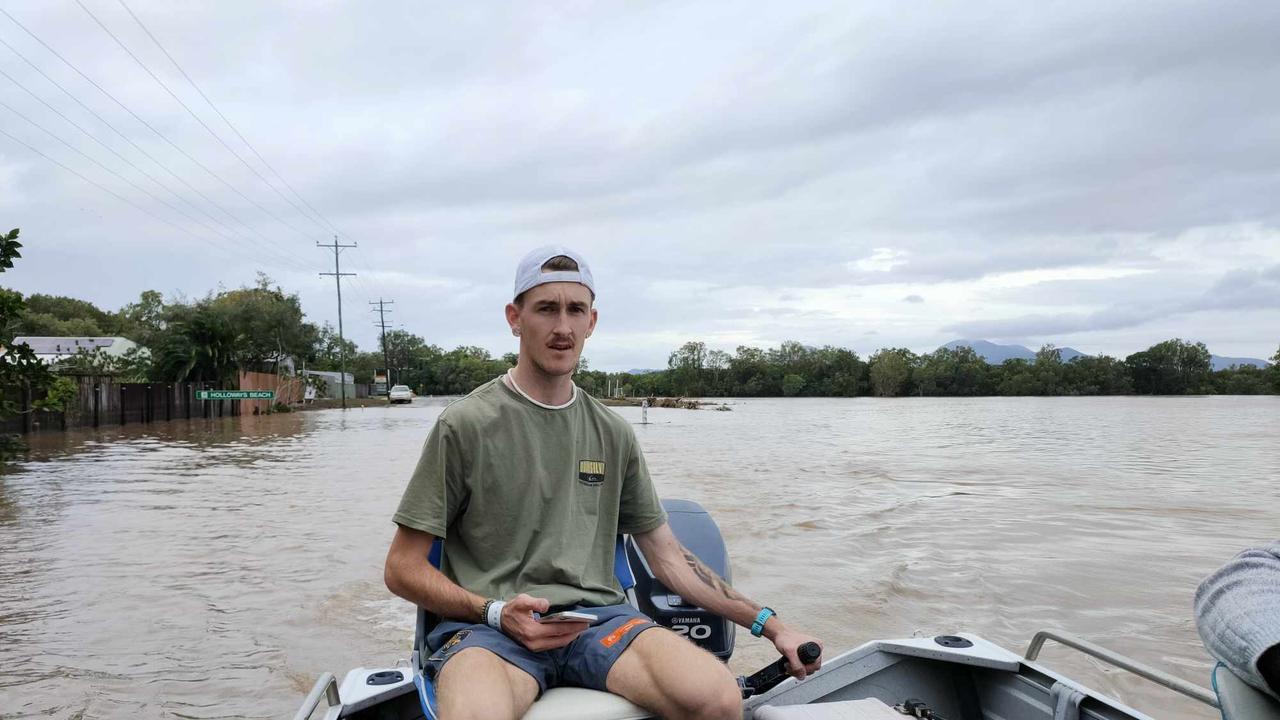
722 702
477 684
716 697
669 675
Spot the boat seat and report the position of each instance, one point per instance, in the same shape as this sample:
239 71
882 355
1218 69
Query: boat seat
864 709
570 703
1240 700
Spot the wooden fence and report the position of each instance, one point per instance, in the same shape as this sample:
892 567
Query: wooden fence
102 400
153 402
288 388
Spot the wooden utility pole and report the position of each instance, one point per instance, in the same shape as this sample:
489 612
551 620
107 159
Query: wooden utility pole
342 343
382 324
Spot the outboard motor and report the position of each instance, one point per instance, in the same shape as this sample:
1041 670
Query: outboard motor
695 529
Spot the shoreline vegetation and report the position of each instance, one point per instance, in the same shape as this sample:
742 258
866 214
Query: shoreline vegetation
1172 367
262 328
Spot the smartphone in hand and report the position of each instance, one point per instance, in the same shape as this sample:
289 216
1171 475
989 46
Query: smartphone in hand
568 616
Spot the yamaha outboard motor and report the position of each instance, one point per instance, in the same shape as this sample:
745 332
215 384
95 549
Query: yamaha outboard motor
695 529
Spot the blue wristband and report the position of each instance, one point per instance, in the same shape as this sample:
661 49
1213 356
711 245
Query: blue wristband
757 627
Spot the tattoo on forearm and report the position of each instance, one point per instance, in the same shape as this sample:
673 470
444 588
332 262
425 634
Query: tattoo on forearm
711 579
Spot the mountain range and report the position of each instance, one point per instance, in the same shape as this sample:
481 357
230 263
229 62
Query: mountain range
1222 363
996 354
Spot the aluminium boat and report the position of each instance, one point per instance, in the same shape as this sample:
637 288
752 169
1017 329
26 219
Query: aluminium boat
946 677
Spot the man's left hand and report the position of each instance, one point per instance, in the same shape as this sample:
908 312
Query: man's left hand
788 643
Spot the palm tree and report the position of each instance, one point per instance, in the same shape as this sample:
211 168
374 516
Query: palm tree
200 346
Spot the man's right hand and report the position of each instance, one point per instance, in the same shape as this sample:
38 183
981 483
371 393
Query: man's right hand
518 622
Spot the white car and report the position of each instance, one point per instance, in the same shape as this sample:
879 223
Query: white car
400 393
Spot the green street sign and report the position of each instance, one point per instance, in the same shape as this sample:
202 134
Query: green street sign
235 394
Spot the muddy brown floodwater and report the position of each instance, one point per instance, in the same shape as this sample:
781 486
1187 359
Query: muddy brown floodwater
213 568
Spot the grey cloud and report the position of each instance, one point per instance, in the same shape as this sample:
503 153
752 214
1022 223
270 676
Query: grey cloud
1165 287
913 299
1244 289
974 140
936 259
510 151
1048 325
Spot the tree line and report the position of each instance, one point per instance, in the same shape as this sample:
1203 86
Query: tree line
1172 367
255 328
261 327
22 374
258 327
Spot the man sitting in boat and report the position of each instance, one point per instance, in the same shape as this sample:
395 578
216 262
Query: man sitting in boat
529 481
1238 616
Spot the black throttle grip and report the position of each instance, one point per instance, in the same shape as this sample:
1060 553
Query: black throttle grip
809 652
775 672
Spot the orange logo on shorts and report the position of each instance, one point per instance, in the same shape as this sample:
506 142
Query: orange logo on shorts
612 638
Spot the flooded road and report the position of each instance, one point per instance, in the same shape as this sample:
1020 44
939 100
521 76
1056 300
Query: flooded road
214 568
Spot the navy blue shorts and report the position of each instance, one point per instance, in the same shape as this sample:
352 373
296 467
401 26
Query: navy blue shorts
585 662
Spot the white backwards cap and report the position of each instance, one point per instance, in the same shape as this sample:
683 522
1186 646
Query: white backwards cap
529 273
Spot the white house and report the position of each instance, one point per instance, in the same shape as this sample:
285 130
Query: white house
333 382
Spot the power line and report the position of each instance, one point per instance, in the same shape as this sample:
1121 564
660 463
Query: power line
359 282
137 147
126 160
235 130
382 323
77 126
137 117
132 184
112 193
337 278
360 285
361 288
358 263
93 160
177 99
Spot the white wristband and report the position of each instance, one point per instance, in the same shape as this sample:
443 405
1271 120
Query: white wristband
494 618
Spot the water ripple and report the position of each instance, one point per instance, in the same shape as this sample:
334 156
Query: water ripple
213 568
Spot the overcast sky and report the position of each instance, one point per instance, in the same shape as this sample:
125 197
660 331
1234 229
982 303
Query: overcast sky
1098 175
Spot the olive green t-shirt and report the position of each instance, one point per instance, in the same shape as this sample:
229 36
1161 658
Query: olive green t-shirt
531 499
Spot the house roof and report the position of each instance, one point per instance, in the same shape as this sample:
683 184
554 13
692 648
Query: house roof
67 345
